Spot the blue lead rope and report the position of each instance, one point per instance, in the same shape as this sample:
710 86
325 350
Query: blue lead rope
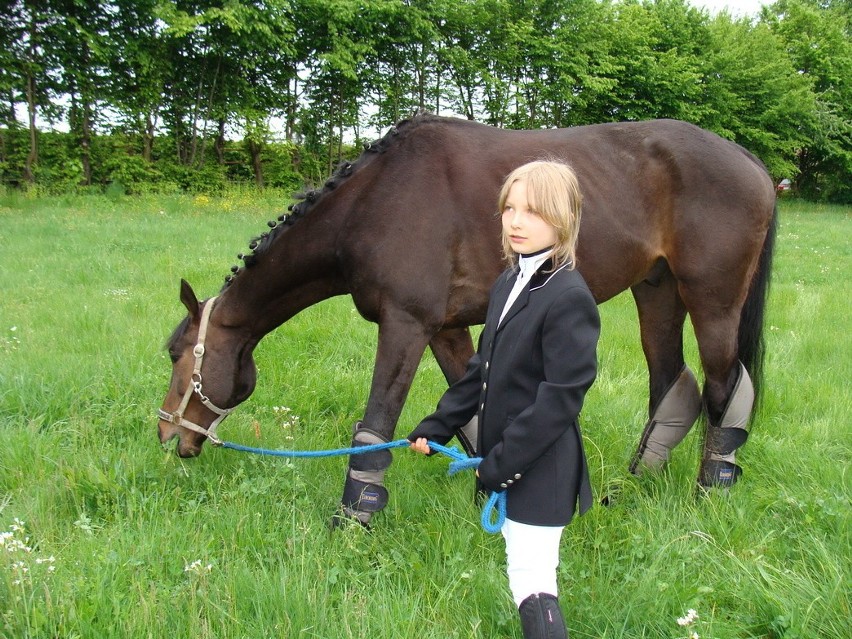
496 501
355 450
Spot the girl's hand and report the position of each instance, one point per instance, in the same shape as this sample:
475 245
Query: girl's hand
420 445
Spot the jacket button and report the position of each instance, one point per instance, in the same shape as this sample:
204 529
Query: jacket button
518 476
510 481
482 407
486 365
504 485
485 386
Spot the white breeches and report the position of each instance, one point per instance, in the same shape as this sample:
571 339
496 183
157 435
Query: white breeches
532 555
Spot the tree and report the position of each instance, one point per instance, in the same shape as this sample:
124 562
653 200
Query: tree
37 71
137 68
335 38
402 73
816 39
80 42
752 93
256 56
190 73
652 62
11 72
460 54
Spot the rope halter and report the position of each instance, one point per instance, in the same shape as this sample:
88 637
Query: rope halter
194 386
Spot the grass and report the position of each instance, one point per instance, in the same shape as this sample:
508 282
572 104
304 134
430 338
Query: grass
105 534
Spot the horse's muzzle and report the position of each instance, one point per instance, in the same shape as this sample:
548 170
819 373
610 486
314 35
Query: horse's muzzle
187 446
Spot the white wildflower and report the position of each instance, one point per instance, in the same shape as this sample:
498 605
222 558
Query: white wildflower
196 568
687 620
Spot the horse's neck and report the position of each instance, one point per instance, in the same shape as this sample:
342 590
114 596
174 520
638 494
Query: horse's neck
298 270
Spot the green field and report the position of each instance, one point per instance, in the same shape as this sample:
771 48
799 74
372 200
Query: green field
106 534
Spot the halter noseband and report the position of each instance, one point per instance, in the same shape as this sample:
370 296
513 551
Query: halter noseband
177 417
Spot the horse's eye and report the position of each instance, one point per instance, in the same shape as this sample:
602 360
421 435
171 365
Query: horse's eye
174 357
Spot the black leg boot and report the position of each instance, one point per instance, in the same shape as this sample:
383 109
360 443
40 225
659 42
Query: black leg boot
541 617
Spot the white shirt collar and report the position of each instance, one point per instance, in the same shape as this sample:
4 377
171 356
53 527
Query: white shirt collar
529 264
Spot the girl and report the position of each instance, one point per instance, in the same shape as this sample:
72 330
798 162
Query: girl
526 383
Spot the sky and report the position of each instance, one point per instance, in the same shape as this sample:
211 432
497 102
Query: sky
737 8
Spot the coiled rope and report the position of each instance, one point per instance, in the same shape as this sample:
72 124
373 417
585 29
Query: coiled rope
491 523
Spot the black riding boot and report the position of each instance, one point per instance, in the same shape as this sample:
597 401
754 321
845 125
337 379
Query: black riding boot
541 617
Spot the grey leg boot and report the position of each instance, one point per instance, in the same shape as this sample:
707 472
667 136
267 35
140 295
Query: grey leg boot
541 617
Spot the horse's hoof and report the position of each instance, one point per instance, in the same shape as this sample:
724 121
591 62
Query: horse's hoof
704 490
611 495
344 517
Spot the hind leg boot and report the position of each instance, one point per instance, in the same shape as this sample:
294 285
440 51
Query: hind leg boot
673 418
718 465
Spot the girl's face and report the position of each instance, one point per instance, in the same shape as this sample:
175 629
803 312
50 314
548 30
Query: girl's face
526 231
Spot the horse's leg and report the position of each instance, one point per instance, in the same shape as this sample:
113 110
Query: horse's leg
453 347
728 391
402 341
674 399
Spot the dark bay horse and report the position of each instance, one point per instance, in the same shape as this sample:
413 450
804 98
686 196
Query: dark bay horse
683 218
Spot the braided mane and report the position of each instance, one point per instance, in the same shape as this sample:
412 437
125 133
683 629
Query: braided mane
306 200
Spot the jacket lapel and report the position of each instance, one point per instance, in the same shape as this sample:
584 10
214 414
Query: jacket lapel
501 293
539 279
517 306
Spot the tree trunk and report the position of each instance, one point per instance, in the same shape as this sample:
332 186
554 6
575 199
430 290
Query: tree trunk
84 113
219 145
290 117
32 156
86 143
32 54
148 138
254 152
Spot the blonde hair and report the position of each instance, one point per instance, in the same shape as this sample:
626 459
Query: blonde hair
554 194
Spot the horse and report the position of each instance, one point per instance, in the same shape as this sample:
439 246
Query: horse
683 218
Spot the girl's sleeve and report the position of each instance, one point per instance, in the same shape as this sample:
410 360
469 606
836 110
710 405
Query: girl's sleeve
569 341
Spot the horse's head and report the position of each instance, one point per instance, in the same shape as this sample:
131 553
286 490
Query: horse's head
212 372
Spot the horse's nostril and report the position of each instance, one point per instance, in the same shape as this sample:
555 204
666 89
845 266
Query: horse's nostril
188 452
186 449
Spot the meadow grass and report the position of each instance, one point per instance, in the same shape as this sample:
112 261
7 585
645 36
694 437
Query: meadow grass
106 534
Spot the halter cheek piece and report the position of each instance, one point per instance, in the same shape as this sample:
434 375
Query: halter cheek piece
177 417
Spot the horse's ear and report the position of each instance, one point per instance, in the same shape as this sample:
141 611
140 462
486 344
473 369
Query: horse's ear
187 296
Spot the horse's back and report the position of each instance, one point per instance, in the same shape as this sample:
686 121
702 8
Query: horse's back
654 189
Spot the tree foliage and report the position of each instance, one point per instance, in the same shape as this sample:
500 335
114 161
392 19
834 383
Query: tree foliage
197 93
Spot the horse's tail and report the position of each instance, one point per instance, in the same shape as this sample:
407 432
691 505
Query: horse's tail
751 344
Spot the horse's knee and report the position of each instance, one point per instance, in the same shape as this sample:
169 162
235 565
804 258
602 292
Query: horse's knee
674 416
727 434
364 492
